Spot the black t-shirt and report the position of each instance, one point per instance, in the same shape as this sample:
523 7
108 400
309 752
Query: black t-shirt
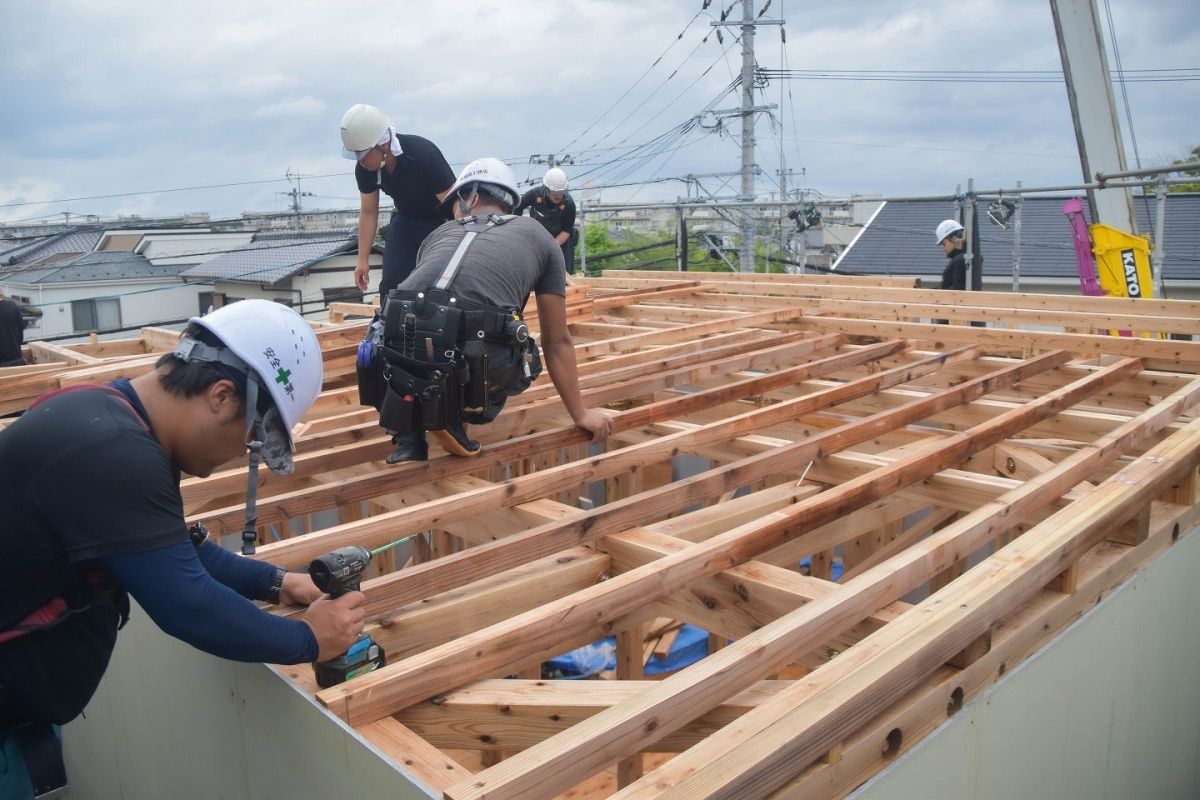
83 478
12 331
555 217
413 184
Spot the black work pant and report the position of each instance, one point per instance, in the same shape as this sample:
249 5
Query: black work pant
568 250
404 237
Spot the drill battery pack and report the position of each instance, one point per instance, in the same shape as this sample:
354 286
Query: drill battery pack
364 656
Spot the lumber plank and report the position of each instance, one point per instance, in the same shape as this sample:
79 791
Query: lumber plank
376 529
932 632
1169 354
636 725
400 684
963 536
412 753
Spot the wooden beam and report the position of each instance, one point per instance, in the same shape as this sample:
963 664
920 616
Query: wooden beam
928 635
533 633
961 538
636 725
413 754
1157 354
376 530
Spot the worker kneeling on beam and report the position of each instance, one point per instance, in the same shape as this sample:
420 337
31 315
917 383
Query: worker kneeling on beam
450 346
93 515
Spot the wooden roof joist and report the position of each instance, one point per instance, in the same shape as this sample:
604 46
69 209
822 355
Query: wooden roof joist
977 489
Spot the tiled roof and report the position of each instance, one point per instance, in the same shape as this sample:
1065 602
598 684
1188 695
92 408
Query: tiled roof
272 257
105 266
79 240
900 241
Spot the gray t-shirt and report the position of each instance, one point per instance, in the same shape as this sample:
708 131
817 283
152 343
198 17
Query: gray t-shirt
503 265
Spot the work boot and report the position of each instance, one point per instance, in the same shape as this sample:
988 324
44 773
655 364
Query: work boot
410 446
454 438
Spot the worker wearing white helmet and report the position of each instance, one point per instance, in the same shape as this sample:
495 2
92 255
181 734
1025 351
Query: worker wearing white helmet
450 347
93 515
552 205
950 236
412 171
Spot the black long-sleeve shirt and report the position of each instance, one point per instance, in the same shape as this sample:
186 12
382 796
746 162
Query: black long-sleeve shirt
12 331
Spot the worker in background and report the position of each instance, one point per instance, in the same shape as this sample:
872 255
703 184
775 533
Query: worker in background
12 333
950 237
451 339
93 515
409 169
552 205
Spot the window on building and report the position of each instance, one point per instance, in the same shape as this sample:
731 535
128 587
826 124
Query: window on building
96 315
342 294
211 301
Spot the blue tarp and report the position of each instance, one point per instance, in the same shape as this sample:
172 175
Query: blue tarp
690 646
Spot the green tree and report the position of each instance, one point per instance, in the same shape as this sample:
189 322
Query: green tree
1193 155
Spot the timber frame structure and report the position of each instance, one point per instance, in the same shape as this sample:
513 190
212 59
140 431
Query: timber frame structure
979 487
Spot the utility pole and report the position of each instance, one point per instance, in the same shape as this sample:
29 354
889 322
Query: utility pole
552 160
746 260
783 173
296 194
747 112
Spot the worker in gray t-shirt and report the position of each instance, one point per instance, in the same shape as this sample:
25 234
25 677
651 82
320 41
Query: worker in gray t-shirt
497 267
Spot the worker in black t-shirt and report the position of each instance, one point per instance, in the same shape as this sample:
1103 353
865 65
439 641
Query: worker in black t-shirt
12 333
552 205
93 515
407 168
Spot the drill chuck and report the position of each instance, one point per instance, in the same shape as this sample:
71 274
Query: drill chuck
340 571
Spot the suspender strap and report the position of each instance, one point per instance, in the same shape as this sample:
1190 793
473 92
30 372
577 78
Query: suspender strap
443 281
475 227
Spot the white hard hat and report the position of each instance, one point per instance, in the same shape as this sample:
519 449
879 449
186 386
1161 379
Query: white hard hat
491 173
362 128
947 227
555 180
275 342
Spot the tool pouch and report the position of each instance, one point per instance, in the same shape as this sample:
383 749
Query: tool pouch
475 391
418 397
398 411
369 366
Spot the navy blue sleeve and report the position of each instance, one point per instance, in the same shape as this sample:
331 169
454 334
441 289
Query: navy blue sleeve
568 216
525 202
185 601
249 578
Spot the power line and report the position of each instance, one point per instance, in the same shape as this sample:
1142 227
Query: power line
625 94
161 191
971 76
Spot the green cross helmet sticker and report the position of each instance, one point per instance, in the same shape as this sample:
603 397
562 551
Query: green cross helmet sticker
283 375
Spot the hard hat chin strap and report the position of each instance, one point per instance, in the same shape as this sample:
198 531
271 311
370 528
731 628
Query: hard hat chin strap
250 529
266 434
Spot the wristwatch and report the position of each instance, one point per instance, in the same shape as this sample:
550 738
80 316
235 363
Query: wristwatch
276 586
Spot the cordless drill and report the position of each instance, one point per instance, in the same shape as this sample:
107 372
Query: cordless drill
337 573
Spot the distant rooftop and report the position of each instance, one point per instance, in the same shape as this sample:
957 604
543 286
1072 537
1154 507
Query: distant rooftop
44 248
90 267
273 257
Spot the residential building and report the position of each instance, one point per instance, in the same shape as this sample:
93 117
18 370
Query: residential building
305 270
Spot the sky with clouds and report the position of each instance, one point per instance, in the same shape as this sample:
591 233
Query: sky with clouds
121 97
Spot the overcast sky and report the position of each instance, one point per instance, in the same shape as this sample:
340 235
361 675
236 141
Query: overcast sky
122 97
